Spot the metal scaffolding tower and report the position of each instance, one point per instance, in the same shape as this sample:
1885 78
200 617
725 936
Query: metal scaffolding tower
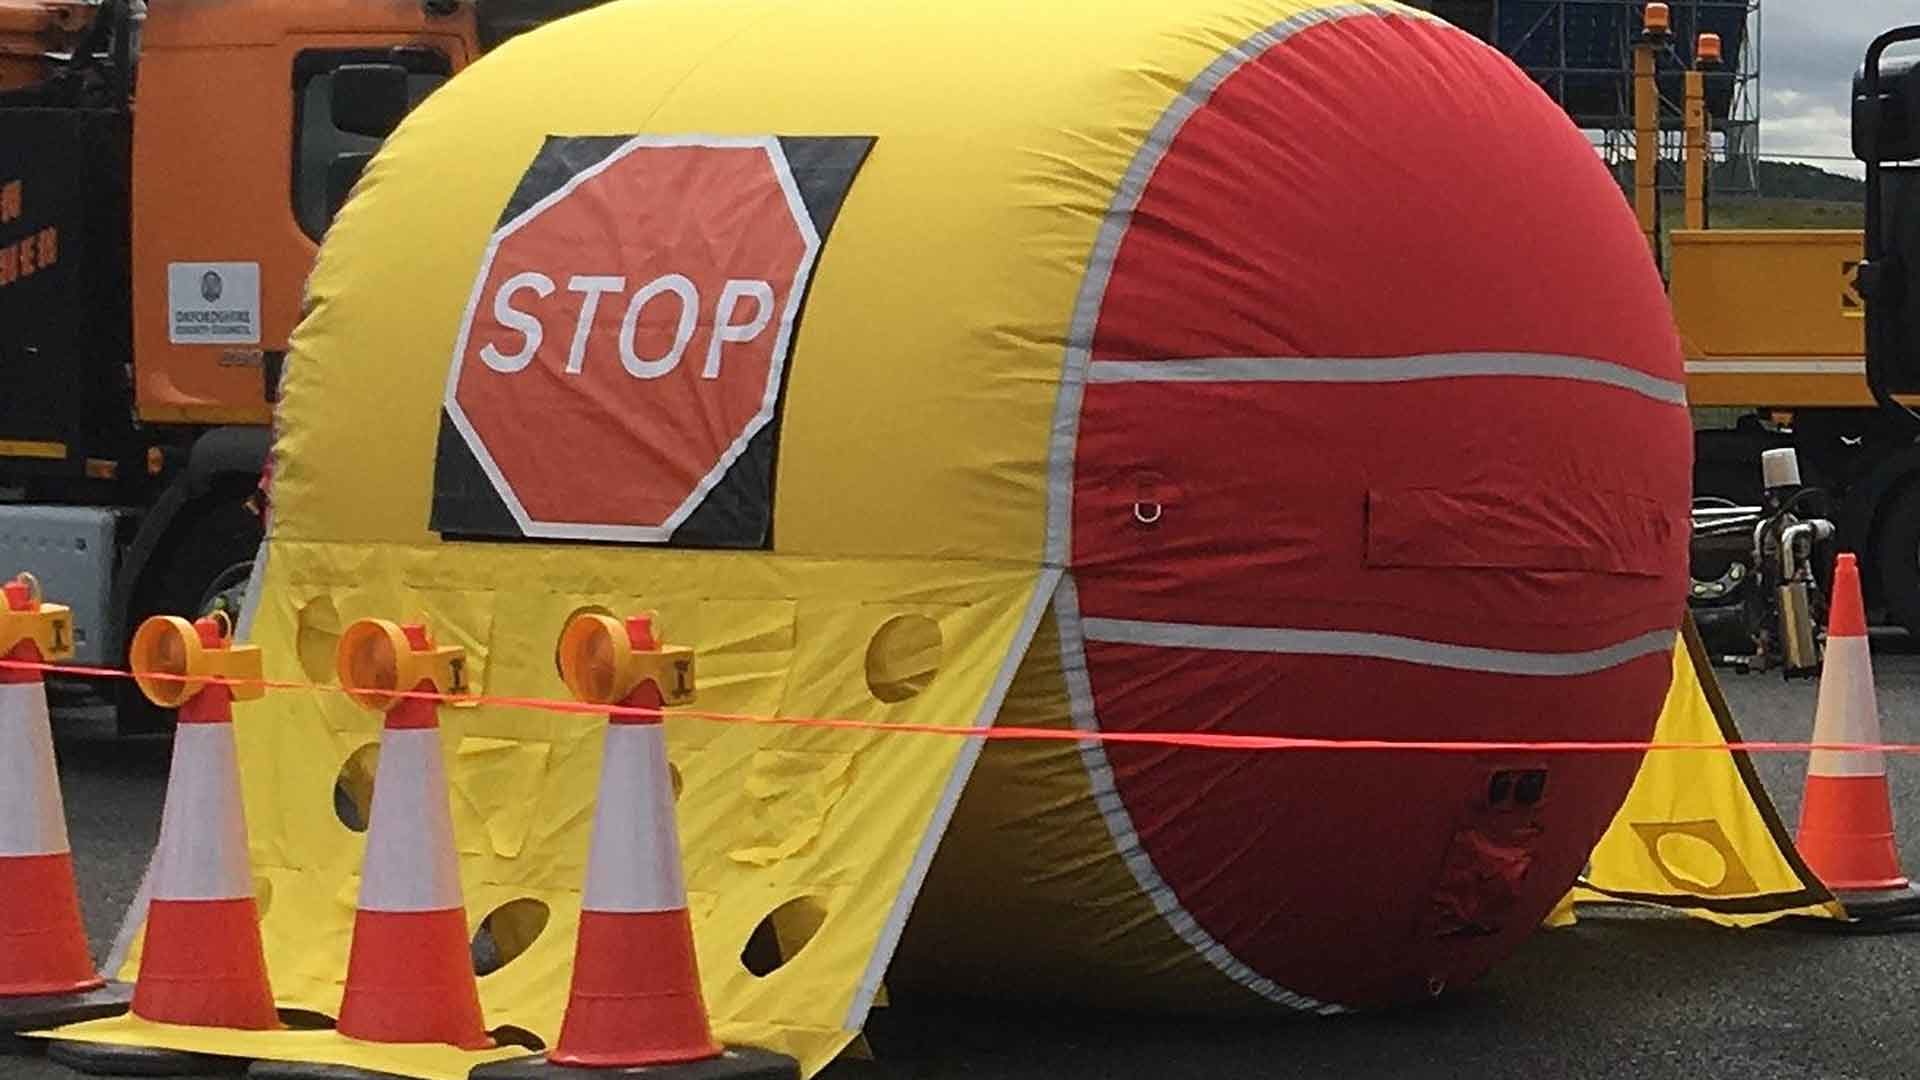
1581 54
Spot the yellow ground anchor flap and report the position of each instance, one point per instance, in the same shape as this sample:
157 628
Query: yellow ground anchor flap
1697 832
803 845
428 1061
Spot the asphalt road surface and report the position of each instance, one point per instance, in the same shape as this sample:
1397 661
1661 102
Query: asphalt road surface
1631 996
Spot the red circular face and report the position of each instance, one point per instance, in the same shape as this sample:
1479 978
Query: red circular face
1380 434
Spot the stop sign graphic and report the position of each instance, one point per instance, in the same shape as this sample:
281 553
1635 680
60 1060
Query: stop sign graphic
619 367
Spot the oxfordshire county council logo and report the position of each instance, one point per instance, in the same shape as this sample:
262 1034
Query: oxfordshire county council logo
210 286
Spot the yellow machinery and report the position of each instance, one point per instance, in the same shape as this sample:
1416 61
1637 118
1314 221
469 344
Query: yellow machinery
1773 326
1770 318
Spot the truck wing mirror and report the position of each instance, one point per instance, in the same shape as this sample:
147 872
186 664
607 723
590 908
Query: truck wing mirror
369 99
1886 124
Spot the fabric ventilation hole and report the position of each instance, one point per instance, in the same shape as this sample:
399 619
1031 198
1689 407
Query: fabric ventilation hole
781 935
353 788
306 1020
903 657
509 1035
316 638
507 933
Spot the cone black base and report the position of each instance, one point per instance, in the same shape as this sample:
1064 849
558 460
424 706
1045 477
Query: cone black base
39 1013
737 1063
110 1059
1876 904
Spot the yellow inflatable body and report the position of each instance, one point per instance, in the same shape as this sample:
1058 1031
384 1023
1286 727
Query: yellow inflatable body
1226 367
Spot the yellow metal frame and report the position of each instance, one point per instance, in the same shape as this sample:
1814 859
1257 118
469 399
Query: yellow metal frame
1646 145
1792 339
1695 115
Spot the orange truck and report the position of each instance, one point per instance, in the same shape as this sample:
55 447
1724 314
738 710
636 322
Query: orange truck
165 178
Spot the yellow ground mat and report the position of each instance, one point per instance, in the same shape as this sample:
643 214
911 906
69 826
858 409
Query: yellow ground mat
1697 831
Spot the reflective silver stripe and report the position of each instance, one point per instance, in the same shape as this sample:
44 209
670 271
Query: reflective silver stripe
33 821
633 861
1390 369
1847 712
1106 246
202 852
1776 367
250 600
1126 839
410 863
1065 438
1375 646
868 989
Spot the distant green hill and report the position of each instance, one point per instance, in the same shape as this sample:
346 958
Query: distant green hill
1761 212
1790 196
1791 180
1778 180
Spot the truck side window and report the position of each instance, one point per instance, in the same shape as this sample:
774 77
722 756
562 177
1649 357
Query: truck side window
318 143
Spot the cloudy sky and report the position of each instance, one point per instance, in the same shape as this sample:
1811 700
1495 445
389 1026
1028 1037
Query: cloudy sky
1809 50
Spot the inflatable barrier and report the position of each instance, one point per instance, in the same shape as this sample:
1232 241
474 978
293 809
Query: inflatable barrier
1238 366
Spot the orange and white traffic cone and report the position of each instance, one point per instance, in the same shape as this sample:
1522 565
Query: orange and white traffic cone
635 1004
1846 815
409 973
635 998
46 971
201 964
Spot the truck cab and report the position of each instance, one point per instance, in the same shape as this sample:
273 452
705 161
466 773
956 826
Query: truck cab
238 167
165 180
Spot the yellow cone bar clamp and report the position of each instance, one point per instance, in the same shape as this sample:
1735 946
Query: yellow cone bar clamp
601 665
172 649
48 626
378 660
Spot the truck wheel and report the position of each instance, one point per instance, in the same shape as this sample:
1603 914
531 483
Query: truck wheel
1897 554
203 568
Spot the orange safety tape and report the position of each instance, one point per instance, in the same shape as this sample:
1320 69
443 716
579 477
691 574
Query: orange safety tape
1198 740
